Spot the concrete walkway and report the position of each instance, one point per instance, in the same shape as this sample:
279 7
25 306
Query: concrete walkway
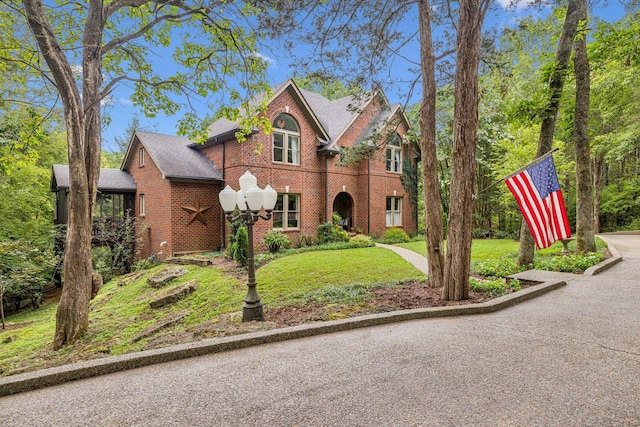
570 357
414 258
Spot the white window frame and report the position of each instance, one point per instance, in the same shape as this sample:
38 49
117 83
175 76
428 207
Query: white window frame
141 204
284 212
290 143
394 211
141 156
394 155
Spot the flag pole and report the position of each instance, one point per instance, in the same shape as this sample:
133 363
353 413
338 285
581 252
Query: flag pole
528 165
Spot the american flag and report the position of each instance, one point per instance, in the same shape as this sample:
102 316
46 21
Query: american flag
538 193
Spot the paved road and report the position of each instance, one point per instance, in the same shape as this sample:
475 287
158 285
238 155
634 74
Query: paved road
568 358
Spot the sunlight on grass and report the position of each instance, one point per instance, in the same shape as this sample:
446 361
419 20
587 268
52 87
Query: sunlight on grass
121 311
480 248
285 279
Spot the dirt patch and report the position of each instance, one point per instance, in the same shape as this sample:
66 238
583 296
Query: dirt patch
402 297
11 326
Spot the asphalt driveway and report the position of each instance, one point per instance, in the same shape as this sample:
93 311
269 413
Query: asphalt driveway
570 357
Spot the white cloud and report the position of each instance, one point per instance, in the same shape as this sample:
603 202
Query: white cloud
269 60
77 71
106 101
515 4
125 101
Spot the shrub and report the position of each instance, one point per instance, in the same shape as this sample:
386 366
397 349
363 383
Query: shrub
275 240
240 246
101 261
480 233
143 264
576 263
494 287
500 234
361 241
395 235
303 240
496 267
24 271
330 233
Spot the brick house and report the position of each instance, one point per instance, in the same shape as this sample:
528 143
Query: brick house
177 181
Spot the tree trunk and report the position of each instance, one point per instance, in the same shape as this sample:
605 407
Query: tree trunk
585 240
83 140
2 305
463 159
433 212
597 185
556 85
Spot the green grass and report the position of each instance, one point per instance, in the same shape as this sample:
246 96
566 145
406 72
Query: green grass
339 276
119 313
480 248
285 280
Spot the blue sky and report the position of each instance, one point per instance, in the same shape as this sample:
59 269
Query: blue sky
122 111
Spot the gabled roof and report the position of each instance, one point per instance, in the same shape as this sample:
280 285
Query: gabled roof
335 116
111 180
383 119
330 118
177 158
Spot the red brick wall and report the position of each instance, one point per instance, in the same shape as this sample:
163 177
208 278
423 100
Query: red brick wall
155 226
368 184
165 220
308 178
189 234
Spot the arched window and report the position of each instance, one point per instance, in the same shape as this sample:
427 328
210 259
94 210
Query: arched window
286 140
394 155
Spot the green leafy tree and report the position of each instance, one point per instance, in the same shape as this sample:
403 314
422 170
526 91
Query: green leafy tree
615 114
27 151
83 51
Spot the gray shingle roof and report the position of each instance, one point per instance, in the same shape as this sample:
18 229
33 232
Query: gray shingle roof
378 123
178 157
333 116
114 180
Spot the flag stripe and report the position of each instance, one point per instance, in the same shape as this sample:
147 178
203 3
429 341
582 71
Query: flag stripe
529 205
546 217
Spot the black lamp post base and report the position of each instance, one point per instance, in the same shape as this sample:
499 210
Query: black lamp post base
251 312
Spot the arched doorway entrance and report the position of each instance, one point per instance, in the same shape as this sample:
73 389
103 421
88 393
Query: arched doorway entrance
343 204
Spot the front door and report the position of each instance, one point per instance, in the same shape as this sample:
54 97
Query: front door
343 205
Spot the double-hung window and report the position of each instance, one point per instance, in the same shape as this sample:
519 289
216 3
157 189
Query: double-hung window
394 155
394 211
286 140
286 214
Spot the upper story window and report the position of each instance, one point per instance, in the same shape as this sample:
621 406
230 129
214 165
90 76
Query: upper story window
394 155
141 156
286 140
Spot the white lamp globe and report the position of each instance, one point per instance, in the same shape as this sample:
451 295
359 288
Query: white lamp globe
240 200
254 198
247 180
270 197
227 199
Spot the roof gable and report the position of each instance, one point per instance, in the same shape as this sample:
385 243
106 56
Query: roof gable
330 118
387 116
177 158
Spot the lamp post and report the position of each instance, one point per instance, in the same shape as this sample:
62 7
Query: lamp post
250 200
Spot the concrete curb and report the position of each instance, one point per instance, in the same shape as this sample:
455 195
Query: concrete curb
607 263
62 374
